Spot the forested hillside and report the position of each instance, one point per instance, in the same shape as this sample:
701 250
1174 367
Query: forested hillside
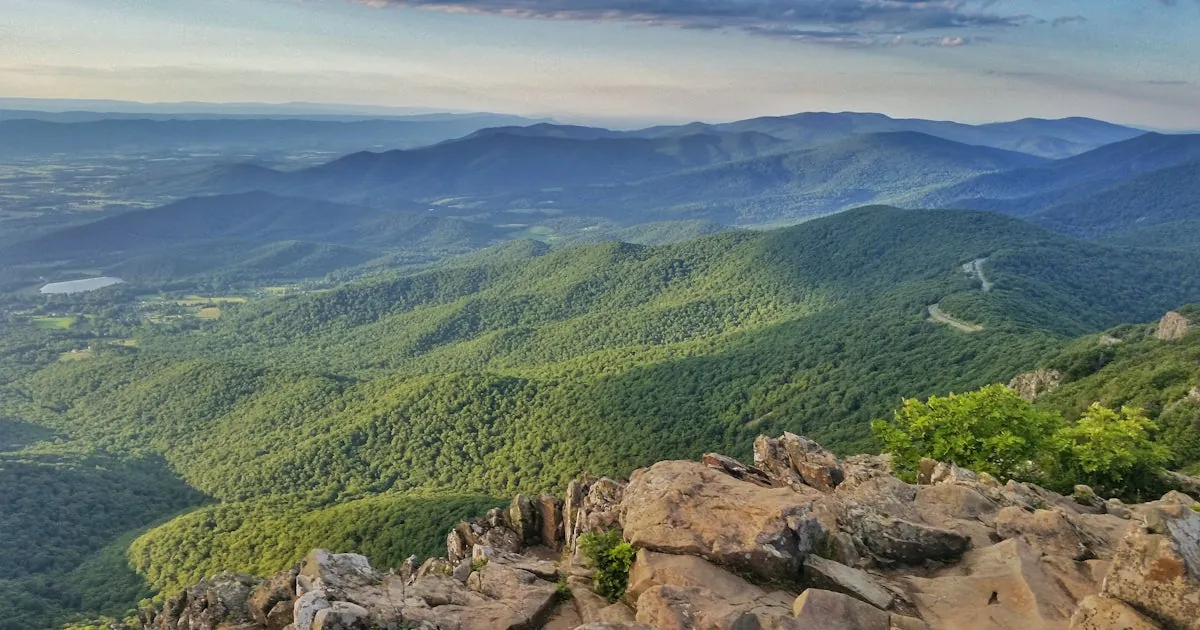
1132 365
413 399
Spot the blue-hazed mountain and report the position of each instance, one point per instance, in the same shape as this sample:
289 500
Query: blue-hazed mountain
509 160
29 137
1047 138
1029 190
730 178
255 234
1160 208
786 186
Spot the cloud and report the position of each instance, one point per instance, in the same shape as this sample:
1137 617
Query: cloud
843 22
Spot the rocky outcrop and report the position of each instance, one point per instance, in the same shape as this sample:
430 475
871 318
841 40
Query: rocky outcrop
1031 385
1172 327
798 540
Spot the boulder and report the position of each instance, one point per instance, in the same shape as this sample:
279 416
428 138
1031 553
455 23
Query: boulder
690 509
335 573
1047 530
832 576
771 456
668 607
736 469
1087 497
342 616
280 589
604 625
551 520
655 569
1031 385
518 589
925 471
906 542
1172 327
817 466
816 608
219 602
1184 483
1006 586
306 607
950 473
572 504
502 539
525 519
1105 613
1156 569
594 608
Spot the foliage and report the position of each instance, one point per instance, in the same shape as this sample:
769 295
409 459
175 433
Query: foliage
1154 377
612 558
263 537
372 416
1113 451
991 430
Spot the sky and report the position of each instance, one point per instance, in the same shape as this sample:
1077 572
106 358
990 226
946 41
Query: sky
1130 61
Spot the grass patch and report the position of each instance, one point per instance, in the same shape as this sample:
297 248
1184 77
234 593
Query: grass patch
53 323
210 312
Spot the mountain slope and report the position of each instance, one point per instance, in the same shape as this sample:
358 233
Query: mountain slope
1028 190
785 186
199 234
1131 366
1161 197
27 138
513 160
520 368
1046 138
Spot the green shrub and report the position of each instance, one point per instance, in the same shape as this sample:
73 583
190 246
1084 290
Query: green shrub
612 557
1113 451
562 591
991 430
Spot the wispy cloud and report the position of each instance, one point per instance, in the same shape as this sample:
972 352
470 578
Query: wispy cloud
842 22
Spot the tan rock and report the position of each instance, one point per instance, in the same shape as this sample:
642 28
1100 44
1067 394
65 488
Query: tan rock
1172 327
690 608
1047 530
832 576
516 588
551 519
342 616
815 608
736 469
1104 613
1002 587
280 589
524 518
688 508
1156 569
817 466
602 625
771 456
1031 385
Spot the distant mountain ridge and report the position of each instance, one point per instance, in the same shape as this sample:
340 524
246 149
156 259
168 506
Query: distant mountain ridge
1027 190
252 230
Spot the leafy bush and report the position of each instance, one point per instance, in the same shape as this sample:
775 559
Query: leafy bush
1112 451
991 430
612 557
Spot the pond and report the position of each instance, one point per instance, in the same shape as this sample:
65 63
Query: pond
80 286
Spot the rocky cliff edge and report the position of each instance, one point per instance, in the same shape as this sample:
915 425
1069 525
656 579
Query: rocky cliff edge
798 540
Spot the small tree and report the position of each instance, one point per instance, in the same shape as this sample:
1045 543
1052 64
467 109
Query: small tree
1112 451
992 430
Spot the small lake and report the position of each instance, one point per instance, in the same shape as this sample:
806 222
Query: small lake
80 286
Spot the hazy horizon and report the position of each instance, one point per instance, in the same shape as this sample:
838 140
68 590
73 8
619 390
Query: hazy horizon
609 60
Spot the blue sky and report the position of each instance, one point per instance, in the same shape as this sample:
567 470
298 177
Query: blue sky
601 60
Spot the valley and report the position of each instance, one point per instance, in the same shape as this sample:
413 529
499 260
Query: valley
314 349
